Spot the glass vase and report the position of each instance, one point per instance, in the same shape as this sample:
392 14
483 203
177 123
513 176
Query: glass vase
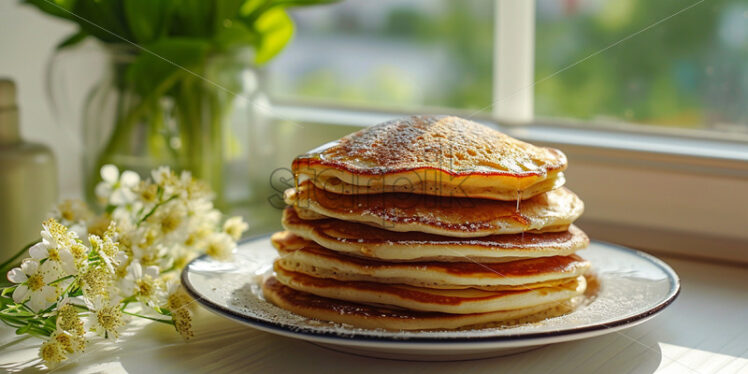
202 118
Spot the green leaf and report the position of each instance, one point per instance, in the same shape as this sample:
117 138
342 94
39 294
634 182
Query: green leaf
235 34
105 20
290 3
72 40
193 18
252 8
275 28
7 291
147 19
56 8
162 59
226 10
23 329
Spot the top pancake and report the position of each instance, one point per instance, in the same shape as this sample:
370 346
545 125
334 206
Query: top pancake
434 155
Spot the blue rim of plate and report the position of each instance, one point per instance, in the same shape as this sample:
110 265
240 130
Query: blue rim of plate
673 293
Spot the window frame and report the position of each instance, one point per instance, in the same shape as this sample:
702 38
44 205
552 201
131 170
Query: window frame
514 61
675 191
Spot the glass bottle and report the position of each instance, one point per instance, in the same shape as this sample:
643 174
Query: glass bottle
28 179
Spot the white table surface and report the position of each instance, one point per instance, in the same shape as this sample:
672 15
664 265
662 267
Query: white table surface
704 331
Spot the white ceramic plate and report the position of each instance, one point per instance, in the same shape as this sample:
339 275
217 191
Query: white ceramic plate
634 287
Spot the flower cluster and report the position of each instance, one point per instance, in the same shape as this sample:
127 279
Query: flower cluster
89 274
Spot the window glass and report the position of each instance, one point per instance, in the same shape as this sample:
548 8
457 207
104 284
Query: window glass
393 53
689 70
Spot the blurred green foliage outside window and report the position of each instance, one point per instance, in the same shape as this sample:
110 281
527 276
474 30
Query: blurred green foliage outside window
687 71
691 70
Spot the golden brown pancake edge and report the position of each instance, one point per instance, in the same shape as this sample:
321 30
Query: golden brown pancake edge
378 317
459 217
368 241
463 301
307 257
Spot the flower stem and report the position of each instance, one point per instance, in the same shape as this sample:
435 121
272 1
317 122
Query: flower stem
168 322
11 262
61 279
150 213
121 135
28 323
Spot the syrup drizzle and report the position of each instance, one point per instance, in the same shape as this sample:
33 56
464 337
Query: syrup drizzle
519 193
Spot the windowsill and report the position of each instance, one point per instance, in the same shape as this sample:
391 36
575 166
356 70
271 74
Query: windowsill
656 191
635 142
686 337
631 137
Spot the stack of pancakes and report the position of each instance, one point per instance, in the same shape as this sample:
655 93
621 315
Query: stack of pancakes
429 222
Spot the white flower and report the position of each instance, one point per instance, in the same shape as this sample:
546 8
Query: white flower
170 219
96 280
185 177
162 174
142 283
166 179
179 304
202 208
106 316
220 246
33 284
60 256
80 229
69 342
52 353
148 195
108 250
196 189
235 226
117 189
68 318
171 285
56 246
149 247
57 235
74 214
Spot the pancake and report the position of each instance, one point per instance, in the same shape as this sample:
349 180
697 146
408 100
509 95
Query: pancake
367 241
465 301
428 186
434 155
552 211
310 258
378 317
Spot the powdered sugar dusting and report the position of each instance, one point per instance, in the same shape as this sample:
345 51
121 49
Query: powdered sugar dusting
447 143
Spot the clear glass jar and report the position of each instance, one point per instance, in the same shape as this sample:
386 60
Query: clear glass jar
204 118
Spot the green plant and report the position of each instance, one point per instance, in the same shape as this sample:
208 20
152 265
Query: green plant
173 45
183 31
